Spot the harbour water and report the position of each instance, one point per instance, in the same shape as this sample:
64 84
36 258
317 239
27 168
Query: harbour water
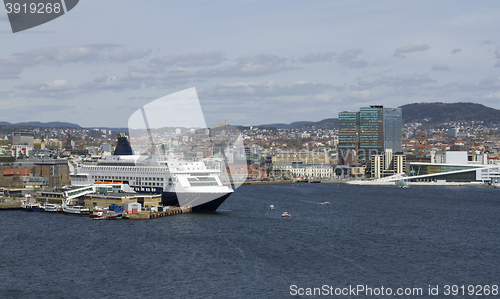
377 236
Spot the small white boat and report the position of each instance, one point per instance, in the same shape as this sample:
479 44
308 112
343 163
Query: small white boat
76 210
325 203
31 207
271 207
285 215
50 207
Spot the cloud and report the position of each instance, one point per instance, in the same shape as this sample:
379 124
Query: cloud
60 89
167 72
362 94
250 66
54 89
400 80
12 66
348 59
114 83
455 51
497 64
490 84
497 53
407 80
492 95
128 55
65 54
190 59
35 112
317 57
265 89
486 42
410 48
54 86
439 67
373 80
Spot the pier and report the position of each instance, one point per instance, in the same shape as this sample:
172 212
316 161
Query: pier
8 203
150 215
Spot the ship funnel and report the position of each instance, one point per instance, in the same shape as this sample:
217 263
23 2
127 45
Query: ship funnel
123 147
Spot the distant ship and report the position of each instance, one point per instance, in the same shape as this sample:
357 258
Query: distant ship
182 183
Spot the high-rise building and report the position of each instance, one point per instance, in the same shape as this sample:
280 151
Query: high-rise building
348 128
393 129
371 131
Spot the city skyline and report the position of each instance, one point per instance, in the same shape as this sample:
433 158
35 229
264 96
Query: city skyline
251 62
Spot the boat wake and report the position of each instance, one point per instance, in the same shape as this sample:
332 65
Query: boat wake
317 202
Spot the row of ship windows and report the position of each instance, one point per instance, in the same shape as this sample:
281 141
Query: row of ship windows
152 184
195 184
102 177
135 168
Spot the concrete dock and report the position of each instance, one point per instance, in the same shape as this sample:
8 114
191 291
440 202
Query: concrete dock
150 215
9 203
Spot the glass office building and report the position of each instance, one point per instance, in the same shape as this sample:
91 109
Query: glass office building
348 126
371 132
377 129
393 129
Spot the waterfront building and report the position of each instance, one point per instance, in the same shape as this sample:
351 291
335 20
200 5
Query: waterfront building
348 137
35 181
122 199
13 177
387 164
393 129
438 172
305 157
452 166
300 170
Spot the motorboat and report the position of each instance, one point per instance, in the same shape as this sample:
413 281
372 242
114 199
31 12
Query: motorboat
50 208
402 184
76 210
97 214
30 207
285 215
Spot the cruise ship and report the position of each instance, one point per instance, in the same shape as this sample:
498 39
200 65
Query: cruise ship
182 183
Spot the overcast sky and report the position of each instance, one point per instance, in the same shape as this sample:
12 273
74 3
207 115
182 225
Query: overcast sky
251 62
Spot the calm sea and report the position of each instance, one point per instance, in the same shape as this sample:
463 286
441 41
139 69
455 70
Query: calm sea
375 236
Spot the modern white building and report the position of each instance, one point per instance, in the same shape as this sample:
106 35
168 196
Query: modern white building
453 166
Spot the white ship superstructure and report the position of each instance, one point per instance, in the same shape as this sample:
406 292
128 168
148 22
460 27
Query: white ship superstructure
188 184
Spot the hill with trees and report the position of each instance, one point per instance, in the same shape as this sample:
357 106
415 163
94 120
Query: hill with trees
447 112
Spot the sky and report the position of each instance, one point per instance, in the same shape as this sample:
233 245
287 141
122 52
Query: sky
251 62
